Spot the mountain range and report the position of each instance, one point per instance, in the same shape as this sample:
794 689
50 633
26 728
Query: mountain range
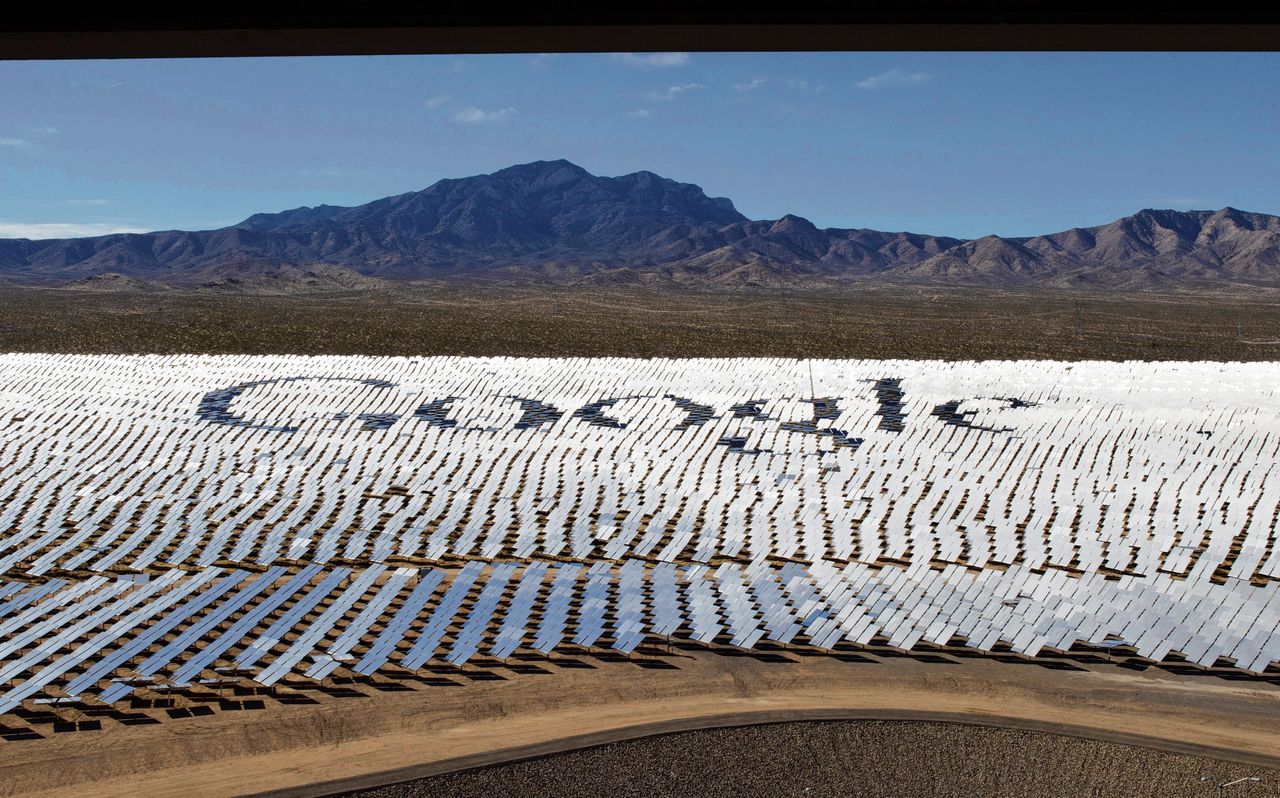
554 221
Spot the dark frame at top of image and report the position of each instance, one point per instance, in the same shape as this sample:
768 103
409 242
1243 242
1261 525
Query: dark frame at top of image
347 27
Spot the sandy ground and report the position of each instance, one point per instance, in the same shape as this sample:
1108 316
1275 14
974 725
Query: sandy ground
865 321
849 759
349 743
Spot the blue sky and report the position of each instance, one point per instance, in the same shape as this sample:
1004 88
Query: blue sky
962 144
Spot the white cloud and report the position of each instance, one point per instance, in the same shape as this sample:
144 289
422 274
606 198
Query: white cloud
45 130
639 113
88 202
18 143
478 116
672 92
61 230
750 86
435 102
652 60
541 60
805 87
894 77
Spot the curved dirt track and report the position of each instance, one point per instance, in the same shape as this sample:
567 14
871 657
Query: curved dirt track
835 758
346 743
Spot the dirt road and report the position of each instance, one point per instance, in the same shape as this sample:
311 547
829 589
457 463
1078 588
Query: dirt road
360 742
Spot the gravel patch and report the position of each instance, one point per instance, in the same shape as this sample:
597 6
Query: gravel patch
849 759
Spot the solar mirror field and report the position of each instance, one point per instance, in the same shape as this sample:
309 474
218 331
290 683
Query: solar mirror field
184 520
